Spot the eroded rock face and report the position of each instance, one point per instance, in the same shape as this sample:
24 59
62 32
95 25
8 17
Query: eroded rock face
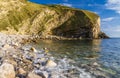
28 18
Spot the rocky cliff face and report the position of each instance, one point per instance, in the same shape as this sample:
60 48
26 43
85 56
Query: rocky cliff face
24 17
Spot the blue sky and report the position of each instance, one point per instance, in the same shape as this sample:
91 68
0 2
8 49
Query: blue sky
108 10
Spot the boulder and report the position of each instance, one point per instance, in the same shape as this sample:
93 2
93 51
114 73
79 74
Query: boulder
7 71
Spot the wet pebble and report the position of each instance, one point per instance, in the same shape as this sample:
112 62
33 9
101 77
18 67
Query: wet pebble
33 75
51 63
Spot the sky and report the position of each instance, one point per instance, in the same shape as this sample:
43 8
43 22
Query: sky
108 10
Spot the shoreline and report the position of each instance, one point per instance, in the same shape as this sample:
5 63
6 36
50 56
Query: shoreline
35 38
25 61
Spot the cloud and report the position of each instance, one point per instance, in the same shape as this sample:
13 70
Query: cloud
108 19
112 28
113 5
96 12
66 4
112 31
95 5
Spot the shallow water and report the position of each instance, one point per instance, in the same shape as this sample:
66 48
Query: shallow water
105 52
110 55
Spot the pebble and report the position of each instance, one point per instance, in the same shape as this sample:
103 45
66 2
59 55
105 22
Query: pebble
33 75
6 46
21 71
51 63
11 62
16 44
33 49
95 64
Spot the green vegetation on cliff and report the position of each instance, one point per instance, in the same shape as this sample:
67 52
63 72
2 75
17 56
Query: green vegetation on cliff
24 17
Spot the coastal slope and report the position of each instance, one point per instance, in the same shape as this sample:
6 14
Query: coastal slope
24 17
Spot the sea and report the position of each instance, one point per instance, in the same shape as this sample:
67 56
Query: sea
105 52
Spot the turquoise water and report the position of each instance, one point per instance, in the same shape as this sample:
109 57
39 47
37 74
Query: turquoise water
105 52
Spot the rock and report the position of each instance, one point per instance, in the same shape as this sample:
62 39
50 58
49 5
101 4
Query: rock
33 49
6 46
46 50
103 35
16 44
7 71
96 64
21 71
42 74
46 75
101 76
51 63
21 76
14 56
33 75
11 61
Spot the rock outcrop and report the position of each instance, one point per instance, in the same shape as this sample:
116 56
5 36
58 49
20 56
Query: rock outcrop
24 17
103 35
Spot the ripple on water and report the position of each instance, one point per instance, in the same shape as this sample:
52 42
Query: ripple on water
82 52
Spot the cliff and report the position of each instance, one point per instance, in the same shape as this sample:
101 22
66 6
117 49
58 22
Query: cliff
24 17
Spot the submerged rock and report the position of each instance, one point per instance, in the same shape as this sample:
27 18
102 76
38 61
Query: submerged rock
7 71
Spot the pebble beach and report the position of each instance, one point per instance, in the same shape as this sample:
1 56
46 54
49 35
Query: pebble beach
21 60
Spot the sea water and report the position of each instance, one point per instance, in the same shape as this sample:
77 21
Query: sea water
74 53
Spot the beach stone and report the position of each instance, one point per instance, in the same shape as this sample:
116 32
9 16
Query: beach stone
42 59
21 76
46 75
95 64
33 75
14 56
101 76
33 49
6 46
46 50
51 63
21 71
16 44
7 71
10 61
